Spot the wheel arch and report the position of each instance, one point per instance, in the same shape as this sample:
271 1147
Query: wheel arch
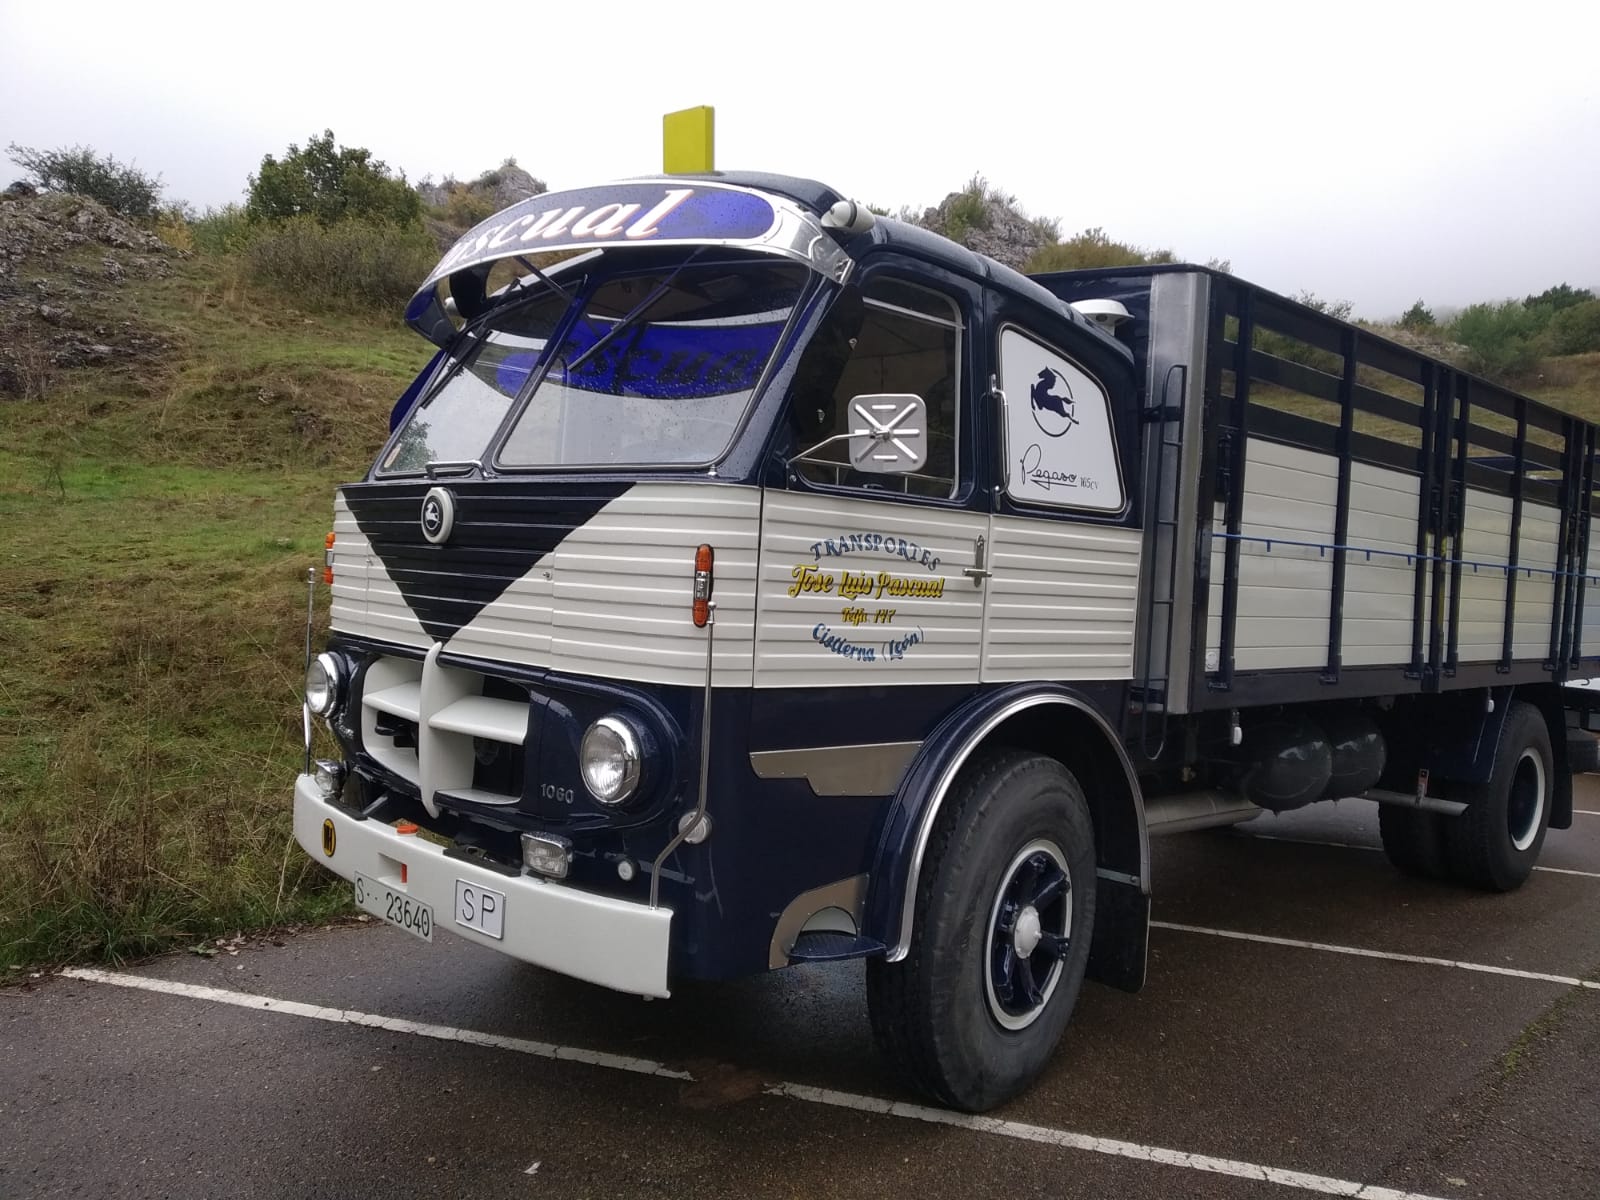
1060 724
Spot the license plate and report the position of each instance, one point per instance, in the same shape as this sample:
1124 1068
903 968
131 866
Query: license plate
395 907
480 909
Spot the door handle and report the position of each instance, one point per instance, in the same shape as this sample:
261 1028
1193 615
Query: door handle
978 572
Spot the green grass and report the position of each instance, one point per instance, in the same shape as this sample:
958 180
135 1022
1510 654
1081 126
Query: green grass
160 519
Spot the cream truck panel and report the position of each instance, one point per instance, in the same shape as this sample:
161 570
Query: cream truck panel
1063 600
613 599
857 592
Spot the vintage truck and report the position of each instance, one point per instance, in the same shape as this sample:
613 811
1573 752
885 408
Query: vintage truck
751 581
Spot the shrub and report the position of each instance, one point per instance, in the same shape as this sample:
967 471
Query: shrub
224 230
330 183
351 263
1502 339
121 187
1091 249
465 207
1576 329
1417 318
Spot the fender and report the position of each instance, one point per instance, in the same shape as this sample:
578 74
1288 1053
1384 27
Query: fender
891 906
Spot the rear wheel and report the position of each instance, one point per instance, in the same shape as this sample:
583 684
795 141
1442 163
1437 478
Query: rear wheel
1004 916
1494 844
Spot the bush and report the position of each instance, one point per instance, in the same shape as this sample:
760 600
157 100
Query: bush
1093 249
1502 339
224 230
1576 329
1417 318
464 207
121 187
351 263
330 183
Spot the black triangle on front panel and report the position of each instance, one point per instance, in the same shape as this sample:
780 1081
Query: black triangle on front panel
498 532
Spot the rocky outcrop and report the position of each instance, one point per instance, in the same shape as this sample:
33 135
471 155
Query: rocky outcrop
506 184
60 257
988 221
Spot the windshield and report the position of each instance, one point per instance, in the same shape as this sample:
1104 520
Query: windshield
652 367
482 377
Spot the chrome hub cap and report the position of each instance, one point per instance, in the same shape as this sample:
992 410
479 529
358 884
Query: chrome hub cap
1026 935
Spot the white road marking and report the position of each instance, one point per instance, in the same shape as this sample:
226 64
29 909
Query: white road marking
1386 955
1273 837
349 1016
1324 1184
1569 871
1587 812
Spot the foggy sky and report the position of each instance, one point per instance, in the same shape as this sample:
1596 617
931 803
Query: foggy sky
1375 153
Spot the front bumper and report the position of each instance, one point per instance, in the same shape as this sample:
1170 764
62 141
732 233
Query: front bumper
615 943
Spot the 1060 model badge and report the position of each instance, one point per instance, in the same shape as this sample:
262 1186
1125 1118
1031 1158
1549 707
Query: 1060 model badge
438 515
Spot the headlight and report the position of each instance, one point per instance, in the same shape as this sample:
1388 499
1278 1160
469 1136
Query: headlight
609 759
323 684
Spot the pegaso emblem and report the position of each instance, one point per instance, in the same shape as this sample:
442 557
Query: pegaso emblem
438 515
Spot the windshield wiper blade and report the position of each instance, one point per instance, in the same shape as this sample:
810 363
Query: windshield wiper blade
633 314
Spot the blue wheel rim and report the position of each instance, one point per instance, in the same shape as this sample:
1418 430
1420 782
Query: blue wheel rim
1029 934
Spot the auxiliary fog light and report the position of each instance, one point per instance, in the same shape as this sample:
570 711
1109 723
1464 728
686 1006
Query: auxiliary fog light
324 683
546 854
610 761
329 777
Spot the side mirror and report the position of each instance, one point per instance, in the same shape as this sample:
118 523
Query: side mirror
888 434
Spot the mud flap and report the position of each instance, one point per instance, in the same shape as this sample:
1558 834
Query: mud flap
1121 943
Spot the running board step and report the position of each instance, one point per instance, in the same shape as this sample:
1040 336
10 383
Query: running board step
824 946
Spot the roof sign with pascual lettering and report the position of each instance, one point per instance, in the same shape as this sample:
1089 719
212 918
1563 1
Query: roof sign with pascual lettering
639 212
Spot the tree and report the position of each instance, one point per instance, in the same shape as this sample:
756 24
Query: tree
1417 318
1576 328
1559 297
1503 338
330 183
121 187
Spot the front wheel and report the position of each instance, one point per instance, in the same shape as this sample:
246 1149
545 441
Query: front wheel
1004 917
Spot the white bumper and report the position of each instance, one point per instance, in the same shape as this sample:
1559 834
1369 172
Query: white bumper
614 943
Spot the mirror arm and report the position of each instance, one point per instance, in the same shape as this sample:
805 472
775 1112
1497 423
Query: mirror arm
805 455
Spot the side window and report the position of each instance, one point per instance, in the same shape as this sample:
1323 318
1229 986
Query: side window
1060 444
900 338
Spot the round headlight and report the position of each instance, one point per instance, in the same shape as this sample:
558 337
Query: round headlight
322 684
609 759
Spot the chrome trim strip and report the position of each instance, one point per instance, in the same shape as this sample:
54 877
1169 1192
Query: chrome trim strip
873 769
908 909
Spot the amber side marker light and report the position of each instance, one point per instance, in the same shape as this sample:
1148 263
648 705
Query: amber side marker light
327 559
703 558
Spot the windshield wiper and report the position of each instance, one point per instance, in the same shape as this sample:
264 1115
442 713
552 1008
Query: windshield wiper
633 314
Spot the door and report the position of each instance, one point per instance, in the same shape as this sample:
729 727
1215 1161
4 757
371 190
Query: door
1062 603
871 579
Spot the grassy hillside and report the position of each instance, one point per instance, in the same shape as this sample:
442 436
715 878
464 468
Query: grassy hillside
161 508
163 489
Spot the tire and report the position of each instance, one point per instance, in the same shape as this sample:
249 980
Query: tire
1414 840
963 1026
1494 844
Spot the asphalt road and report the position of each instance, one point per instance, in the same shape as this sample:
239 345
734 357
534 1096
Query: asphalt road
356 1062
